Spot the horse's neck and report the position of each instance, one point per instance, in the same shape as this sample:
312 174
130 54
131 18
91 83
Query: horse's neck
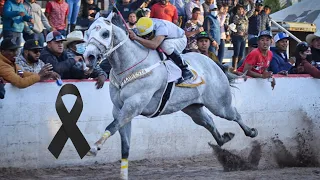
127 55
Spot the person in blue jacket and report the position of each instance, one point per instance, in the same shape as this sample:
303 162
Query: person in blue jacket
14 18
280 62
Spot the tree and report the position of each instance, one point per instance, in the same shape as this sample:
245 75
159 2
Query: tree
274 4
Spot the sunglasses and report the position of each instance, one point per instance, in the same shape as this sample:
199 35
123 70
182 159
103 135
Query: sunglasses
13 50
36 51
148 36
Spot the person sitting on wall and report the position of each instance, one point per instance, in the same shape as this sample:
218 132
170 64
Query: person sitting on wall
314 42
75 47
2 90
303 61
280 62
29 60
258 61
12 73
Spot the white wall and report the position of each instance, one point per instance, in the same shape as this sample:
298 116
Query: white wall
29 121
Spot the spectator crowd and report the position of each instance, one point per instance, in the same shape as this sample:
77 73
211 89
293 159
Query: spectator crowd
53 46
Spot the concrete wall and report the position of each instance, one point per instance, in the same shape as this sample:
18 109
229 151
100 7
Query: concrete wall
29 121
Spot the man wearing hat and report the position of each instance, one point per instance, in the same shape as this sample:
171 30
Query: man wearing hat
314 42
203 43
258 60
212 26
75 47
9 70
55 54
29 58
280 62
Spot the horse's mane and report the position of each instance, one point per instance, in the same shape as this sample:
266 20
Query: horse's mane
117 21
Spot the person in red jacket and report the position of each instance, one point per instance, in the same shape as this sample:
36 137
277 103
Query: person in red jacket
165 10
304 63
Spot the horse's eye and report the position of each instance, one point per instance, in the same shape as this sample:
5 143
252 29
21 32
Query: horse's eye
105 34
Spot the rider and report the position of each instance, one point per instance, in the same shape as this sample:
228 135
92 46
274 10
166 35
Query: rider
154 33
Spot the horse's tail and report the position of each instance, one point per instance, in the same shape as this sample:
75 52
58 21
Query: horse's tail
233 77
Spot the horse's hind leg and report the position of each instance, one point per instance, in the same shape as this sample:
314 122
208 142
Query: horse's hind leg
230 113
200 117
125 134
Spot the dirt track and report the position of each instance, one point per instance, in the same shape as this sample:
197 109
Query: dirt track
195 168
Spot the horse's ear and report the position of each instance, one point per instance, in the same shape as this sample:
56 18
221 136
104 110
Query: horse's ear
110 16
97 16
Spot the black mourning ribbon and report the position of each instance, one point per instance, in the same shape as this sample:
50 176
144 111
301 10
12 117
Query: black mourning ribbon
69 127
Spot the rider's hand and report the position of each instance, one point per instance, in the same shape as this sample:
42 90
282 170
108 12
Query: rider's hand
132 35
32 21
100 81
267 74
22 14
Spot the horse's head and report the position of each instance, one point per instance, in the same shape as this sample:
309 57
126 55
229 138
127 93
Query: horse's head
99 40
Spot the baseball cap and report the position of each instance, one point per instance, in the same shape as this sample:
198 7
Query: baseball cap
8 44
213 6
31 44
55 36
202 35
253 42
259 3
279 36
264 33
302 46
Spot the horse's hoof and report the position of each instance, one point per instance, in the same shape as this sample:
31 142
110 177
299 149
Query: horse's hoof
254 133
93 151
227 137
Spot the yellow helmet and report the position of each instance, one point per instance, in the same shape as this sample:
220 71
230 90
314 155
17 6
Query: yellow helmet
144 26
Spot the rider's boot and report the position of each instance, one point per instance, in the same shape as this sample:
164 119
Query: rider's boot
177 59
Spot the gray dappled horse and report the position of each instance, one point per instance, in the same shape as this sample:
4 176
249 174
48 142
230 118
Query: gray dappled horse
136 91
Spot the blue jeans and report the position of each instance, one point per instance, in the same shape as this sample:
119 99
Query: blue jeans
74 7
15 36
221 50
239 45
63 32
36 36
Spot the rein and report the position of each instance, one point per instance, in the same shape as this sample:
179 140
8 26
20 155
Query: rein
135 64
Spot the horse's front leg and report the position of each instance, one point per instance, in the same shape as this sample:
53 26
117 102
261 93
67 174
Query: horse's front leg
125 134
131 108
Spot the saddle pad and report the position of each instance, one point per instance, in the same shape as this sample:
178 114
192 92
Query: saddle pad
174 73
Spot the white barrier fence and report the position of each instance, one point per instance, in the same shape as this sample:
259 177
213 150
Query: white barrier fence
29 121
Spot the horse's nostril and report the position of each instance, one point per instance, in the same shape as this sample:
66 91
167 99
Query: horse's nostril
91 57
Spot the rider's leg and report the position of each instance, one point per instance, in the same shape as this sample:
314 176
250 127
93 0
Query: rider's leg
177 59
173 48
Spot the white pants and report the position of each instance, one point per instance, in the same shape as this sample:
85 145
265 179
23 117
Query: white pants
169 45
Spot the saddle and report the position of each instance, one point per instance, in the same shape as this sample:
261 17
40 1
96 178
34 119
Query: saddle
174 72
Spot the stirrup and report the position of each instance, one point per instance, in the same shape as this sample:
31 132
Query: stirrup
186 75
